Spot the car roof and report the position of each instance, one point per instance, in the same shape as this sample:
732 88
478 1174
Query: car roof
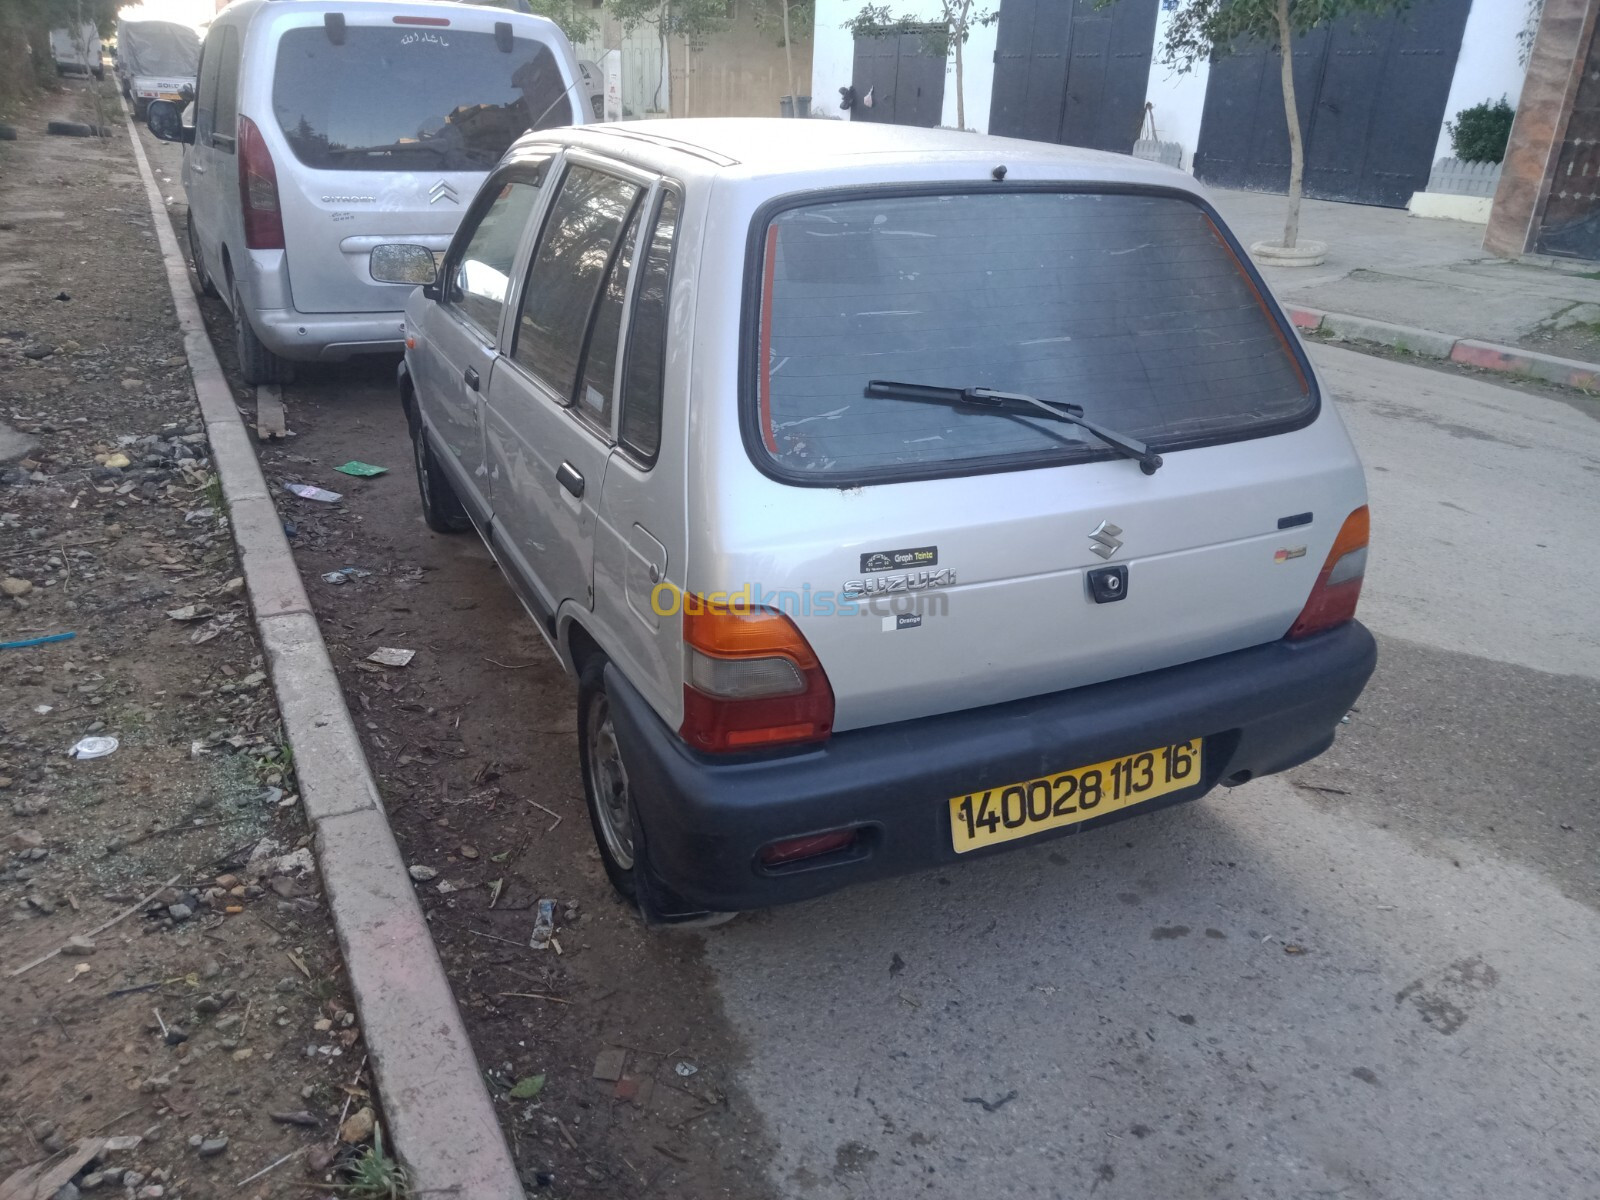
772 146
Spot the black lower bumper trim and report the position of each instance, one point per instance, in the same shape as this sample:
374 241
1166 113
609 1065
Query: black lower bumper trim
704 819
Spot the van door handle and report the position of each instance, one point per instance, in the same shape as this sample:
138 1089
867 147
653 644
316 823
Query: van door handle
198 168
567 476
471 376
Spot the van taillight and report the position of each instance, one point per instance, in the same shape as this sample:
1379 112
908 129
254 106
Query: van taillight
1338 587
752 680
258 190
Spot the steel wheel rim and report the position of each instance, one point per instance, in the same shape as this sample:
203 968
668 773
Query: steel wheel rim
609 780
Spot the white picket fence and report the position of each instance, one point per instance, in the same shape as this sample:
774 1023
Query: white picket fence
1457 178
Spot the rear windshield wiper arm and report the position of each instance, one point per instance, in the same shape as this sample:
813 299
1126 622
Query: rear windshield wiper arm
981 397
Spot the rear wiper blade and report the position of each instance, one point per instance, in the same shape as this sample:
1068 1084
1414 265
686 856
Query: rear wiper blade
982 397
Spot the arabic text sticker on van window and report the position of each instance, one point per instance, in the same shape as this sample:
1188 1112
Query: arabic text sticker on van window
1130 305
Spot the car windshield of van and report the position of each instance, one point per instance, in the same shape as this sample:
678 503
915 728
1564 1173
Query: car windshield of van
396 98
1130 305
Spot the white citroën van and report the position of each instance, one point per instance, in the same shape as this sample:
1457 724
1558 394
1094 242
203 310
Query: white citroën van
895 495
326 131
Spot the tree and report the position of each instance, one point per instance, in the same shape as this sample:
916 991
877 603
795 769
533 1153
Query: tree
794 19
949 28
25 27
1200 30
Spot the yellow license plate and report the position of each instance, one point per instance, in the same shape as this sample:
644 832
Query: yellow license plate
1019 810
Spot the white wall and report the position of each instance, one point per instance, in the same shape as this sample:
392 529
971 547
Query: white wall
1488 66
1179 100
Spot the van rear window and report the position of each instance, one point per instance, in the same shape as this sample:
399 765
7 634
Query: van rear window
1131 305
395 98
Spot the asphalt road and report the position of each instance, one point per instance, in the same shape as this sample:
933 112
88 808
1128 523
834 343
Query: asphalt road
1135 991
1374 978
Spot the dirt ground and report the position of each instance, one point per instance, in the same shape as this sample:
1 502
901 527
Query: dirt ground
474 748
205 994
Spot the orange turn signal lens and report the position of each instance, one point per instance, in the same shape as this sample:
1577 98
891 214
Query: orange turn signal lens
1338 587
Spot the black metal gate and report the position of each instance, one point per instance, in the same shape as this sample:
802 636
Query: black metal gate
1070 72
1570 223
904 81
1371 91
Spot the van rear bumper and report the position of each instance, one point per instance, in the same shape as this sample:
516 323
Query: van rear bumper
705 819
327 337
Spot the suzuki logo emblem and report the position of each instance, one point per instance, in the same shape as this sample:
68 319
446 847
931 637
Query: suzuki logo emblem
443 191
1105 539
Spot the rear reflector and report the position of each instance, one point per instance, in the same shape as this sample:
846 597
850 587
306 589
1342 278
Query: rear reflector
258 190
751 680
1338 587
814 846
422 20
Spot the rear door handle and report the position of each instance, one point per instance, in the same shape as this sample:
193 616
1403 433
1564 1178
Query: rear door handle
567 476
471 376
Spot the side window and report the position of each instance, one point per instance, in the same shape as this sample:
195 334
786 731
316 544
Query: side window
205 105
645 367
225 119
482 276
599 375
570 265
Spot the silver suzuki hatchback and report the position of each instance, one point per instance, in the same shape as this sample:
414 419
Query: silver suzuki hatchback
895 495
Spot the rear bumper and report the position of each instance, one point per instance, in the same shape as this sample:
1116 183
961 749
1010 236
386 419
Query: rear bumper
328 337
704 819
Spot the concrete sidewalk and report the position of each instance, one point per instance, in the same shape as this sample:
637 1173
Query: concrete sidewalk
1387 266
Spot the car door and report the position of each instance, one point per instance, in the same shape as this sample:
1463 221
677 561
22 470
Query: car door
460 335
641 534
201 173
549 411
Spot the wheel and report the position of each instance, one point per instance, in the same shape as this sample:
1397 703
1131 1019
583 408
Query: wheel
605 782
207 288
256 363
141 109
441 507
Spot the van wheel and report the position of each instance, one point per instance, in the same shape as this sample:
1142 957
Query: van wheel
207 288
605 782
441 507
256 363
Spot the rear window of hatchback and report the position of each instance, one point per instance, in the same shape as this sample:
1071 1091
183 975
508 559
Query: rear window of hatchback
1132 304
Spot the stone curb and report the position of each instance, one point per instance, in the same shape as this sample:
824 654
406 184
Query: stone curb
441 1120
1428 343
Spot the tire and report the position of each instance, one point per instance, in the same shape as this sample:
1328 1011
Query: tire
141 109
257 364
70 129
605 783
441 507
207 287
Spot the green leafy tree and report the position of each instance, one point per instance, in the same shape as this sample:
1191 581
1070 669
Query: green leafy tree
25 26
1200 30
948 29
571 15
692 20
1480 133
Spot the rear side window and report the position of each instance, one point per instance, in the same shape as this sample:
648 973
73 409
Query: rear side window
600 360
225 124
397 98
574 254
1131 305
205 104
482 277
645 368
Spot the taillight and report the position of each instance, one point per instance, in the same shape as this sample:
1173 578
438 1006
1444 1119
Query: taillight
258 190
752 680
1338 586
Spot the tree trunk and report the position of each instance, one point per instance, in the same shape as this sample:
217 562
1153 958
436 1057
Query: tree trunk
1297 153
961 93
788 60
